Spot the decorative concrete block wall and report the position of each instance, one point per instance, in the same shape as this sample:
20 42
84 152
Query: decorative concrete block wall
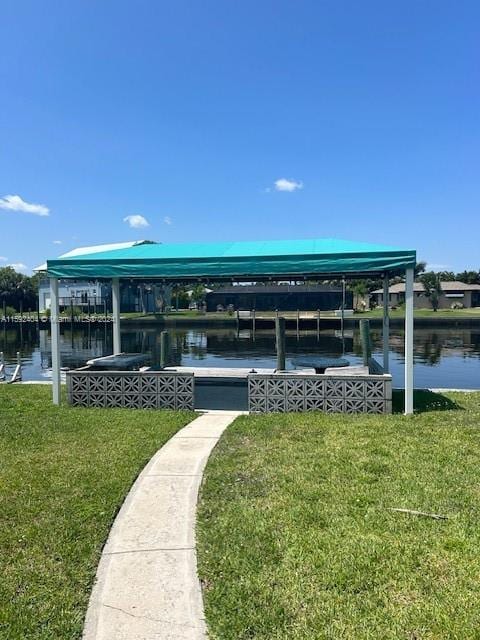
134 389
342 394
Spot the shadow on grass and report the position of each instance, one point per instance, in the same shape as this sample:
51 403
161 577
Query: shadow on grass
424 400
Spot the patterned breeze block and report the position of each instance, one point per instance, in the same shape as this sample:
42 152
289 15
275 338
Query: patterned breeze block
134 389
342 394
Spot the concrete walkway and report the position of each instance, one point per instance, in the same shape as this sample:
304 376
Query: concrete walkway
147 586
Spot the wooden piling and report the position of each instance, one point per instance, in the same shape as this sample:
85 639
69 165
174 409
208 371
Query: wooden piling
280 342
365 341
164 349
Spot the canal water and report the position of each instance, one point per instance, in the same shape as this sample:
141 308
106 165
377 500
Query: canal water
444 357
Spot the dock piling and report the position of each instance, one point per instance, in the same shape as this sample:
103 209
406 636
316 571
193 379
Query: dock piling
365 340
164 349
280 342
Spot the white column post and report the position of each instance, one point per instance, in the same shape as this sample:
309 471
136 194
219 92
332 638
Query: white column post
117 343
409 341
55 340
386 324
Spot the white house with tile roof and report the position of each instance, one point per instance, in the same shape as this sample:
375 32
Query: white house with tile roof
453 292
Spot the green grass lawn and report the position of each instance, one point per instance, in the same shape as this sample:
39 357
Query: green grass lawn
297 539
64 473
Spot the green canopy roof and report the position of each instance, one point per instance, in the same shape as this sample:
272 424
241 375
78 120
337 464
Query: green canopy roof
236 260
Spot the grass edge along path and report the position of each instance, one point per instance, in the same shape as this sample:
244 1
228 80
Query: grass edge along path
64 473
296 538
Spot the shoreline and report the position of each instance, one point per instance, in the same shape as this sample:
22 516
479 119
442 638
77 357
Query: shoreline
304 323
245 323
262 321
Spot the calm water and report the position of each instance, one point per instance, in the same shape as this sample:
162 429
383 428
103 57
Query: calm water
443 357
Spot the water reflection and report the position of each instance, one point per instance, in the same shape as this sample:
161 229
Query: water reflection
443 357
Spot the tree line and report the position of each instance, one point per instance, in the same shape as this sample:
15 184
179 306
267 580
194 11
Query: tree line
18 291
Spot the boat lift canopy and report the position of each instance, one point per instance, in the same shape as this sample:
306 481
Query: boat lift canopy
236 261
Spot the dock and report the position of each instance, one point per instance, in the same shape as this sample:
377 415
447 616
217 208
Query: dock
233 373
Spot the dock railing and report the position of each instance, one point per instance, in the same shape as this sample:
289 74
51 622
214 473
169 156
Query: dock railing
17 372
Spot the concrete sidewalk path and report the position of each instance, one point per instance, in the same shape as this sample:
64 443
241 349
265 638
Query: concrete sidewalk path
147 586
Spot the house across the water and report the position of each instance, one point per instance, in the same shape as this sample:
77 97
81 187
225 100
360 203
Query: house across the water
282 297
454 294
96 296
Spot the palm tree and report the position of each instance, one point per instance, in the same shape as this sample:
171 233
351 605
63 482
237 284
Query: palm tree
359 289
419 268
433 288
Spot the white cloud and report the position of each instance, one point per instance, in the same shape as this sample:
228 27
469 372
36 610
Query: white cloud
18 266
15 203
168 220
282 184
57 241
439 267
3 259
136 221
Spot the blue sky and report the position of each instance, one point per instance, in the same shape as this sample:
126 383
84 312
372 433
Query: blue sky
189 113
